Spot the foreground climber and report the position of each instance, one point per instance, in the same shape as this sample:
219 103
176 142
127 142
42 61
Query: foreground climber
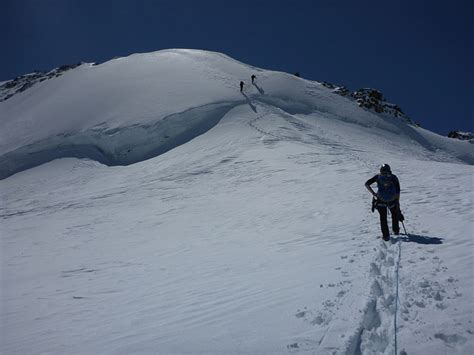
387 196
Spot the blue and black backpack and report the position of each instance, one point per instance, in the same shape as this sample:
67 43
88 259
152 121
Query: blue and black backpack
387 187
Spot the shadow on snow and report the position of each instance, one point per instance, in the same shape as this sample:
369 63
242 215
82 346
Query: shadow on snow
420 239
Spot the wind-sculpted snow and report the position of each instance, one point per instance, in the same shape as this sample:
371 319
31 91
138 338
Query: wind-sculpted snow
120 146
134 108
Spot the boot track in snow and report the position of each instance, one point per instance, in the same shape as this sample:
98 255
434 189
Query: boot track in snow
377 333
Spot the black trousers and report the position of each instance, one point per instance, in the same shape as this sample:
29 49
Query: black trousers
382 208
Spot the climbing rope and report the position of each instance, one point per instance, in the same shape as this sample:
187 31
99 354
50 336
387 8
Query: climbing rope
396 296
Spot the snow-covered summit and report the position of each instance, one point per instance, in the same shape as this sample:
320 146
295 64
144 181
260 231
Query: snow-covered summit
130 109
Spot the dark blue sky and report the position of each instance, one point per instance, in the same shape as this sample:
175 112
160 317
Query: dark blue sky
418 53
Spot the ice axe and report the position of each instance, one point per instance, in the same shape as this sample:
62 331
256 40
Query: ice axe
401 218
403 224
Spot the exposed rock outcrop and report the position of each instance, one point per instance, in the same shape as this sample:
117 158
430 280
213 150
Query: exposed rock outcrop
465 136
371 99
24 82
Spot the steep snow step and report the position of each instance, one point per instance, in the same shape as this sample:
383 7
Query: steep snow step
120 146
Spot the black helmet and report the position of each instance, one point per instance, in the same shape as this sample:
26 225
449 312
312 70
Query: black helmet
385 168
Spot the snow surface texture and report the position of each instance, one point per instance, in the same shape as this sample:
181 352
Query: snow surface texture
250 232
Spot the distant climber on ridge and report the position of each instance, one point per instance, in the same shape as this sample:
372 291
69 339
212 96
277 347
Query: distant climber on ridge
387 196
241 86
253 77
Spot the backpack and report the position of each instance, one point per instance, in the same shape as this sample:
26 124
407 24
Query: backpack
387 187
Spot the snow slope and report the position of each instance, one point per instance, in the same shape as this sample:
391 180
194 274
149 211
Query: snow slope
242 227
134 108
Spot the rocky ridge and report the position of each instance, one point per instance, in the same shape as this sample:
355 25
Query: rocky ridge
26 81
464 136
371 99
